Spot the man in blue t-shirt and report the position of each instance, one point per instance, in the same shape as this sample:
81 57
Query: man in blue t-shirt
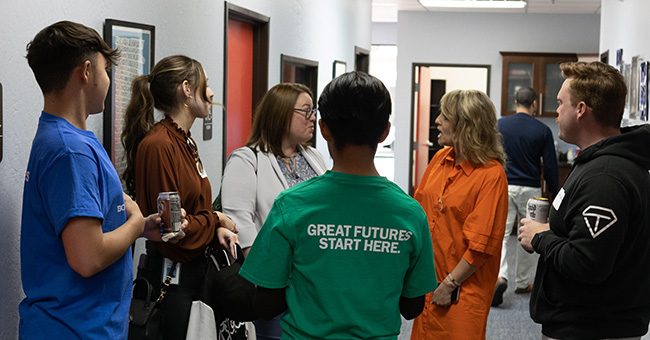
77 224
530 151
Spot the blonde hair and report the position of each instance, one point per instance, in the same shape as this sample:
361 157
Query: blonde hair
473 116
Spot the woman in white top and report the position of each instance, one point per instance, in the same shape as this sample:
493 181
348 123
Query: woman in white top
276 157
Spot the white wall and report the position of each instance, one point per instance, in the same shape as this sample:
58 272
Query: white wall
477 38
624 25
317 30
461 78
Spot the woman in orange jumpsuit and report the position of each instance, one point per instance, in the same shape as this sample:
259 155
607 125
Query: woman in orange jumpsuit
464 192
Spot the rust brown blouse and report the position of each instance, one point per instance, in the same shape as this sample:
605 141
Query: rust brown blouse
167 160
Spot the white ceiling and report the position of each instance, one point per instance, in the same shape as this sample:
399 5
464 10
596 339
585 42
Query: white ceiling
386 10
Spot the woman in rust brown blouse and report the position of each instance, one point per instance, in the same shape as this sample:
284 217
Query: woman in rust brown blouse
163 157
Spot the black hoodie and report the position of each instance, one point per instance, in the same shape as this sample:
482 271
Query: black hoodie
593 275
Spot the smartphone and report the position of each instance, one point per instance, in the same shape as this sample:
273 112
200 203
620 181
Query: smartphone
455 294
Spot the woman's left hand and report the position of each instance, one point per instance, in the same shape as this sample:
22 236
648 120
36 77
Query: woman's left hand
442 295
228 240
226 222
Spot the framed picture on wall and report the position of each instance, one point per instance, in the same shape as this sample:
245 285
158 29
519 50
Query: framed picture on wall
643 91
136 43
604 57
633 86
0 122
338 68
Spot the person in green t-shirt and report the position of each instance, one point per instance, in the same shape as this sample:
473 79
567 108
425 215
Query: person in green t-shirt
345 253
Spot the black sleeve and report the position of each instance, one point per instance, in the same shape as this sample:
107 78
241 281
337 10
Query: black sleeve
596 216
270 302
410 308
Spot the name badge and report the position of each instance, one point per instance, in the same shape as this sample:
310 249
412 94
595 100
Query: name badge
175 272
558 199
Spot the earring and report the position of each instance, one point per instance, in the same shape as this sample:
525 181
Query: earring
185 103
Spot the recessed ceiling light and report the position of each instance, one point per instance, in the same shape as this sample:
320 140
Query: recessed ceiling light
473 3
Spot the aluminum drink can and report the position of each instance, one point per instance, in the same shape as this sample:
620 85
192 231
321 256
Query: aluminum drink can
169 209
537 209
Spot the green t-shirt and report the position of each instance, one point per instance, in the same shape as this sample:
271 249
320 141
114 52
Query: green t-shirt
346 247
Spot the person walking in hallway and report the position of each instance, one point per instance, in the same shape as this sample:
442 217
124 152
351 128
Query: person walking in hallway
530 151
592 276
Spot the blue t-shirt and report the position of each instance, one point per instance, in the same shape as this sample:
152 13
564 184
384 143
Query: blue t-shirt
70 175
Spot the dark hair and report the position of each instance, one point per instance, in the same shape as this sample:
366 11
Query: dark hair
356 107
525 96
57 49
272 116
159 89
600 86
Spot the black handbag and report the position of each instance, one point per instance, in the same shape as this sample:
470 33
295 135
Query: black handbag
145 319
221 267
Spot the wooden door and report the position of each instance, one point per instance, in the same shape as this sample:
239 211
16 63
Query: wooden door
422 125
245 81
239 94
361 59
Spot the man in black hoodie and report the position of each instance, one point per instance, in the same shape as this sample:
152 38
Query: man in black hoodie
593 275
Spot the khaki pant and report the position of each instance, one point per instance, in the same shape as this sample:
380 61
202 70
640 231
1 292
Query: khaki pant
525 263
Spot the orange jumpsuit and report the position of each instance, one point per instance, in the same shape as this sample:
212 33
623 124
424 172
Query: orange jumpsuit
466 207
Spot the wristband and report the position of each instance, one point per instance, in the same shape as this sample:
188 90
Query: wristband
450 279
535 240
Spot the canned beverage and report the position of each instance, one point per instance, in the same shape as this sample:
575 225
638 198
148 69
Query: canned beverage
537 209
169 209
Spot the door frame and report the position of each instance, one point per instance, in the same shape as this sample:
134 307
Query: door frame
261 24
286 60
414 90
361 59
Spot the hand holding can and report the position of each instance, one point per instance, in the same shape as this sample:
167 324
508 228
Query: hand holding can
537 209
169 209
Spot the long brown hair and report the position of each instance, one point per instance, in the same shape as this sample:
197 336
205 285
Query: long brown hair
159 89
272 117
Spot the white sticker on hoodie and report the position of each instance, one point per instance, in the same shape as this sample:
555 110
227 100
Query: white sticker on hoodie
598 219
558 199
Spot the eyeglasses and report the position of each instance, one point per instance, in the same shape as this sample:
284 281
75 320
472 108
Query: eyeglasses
307 113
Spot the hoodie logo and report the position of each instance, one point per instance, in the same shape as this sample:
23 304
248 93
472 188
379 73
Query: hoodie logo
598 219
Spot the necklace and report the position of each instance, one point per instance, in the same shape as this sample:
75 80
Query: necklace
291 165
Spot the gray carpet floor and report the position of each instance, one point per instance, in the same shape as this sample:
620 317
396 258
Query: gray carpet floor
511 319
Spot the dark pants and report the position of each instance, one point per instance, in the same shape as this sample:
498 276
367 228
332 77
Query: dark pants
268 329
175 308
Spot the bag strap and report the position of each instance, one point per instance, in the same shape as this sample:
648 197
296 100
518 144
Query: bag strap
256 159
166 283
